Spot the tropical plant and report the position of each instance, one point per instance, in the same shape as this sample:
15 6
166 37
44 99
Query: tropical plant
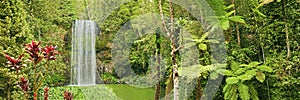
238 77
36 54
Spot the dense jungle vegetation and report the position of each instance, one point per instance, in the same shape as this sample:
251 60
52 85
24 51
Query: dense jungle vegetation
261 40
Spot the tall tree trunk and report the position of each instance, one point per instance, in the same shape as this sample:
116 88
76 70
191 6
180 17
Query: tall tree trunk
173 47
157 92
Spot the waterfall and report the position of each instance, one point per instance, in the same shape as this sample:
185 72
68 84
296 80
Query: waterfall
83 60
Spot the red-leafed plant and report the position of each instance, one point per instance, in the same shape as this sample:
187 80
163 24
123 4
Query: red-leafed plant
37 54
13 63
46 95
68 95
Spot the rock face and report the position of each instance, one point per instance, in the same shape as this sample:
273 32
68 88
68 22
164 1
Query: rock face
83 60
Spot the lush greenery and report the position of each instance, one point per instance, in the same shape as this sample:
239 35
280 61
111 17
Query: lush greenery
261 40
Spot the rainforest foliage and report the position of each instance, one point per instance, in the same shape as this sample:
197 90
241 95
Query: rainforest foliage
261 39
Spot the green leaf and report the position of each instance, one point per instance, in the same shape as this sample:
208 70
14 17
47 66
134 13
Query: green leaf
258 12
244 65
225 24
240 71
238 19
211 41
224 72
230 6
260 76
245 77
265 68
234 66
230 13
202 46
254 64
244 91
253 93
251 72
214 75
232 80
230 92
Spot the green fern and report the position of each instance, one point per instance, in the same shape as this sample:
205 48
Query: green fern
243 91
236 85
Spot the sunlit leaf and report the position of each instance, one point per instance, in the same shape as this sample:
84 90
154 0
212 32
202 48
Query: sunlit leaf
265 68
232 80
203 46
238 19
260 76
230 13
225 24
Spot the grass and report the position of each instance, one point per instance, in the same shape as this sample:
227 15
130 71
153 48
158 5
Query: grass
127 92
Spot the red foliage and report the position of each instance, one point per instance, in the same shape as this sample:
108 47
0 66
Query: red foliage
68 95
49 52
46 95
14 63
24 84
33 50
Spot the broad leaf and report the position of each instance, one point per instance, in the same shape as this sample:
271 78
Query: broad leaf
232 80
260 76
251 72
240 71
245 77
234 65
203 46
225 24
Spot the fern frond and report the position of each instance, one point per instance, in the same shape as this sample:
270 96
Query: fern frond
243 91
253 93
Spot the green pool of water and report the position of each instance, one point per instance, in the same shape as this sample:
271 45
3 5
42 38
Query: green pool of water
127 92
104 92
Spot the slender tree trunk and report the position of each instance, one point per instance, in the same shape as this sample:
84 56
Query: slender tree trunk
173 46
199 91
286 30
173 53
157 92
8 89
236 26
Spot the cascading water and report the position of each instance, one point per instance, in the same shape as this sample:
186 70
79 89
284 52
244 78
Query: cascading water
83 61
